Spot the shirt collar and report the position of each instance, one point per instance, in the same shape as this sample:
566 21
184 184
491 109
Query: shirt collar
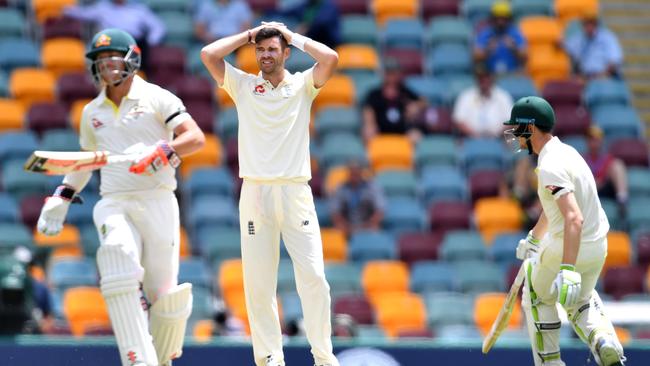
136 92
288 79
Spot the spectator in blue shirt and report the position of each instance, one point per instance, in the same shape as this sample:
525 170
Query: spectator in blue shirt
500 45
318 19
216 19
595 52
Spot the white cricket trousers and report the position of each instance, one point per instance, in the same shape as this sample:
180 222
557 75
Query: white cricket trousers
266 211
146 225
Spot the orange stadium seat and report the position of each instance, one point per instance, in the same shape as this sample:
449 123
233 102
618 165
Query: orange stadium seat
338 91
246 59
567 10
186 246
76 110
69 236
545 66
224 100
487 307
496 215
541 30
62 55
45 9
203 330
398 313
231 279
389 151
619 250
382 277
387 9
336 176
335 245
210 156
357 57
84 307
67 252
29 85
237 306
12 116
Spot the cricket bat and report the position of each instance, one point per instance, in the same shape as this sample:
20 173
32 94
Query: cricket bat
501 322
64 162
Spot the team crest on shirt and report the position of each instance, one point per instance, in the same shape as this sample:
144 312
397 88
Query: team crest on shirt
97 124
259 89
553 189
136 111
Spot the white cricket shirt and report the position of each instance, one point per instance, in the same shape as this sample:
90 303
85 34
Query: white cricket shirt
273 123
146 115
561 169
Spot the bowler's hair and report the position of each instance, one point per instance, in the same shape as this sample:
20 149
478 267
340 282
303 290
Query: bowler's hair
266 33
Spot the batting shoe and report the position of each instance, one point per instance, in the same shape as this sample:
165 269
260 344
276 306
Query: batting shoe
273 361
609 353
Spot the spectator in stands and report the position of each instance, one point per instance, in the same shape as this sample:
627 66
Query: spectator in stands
595 52
500 44
134 18
610 172
392 107
216 19
480 110
358 203
318 20
224 323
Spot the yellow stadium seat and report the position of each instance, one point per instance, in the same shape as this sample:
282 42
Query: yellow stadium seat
389 151
335 245
624 335
246 59
76 110
387 9
210 156
357 57
383 277
61 55
487 307
338 91
45 9
231 280
336 176
567 10
546 66
619 250
224 100
541 30
496 215
186 246
237 306
203 330
30 85
84 307
400 312
13 114
69 236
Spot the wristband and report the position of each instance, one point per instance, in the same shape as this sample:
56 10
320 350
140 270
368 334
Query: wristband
298 40
67 194
569 267
170 153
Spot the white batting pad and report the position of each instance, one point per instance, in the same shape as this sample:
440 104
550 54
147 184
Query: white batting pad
168 320
120 286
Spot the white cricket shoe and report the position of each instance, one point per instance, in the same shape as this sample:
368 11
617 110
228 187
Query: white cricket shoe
609 353
272 361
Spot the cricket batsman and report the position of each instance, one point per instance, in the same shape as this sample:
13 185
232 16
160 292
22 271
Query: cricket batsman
137 218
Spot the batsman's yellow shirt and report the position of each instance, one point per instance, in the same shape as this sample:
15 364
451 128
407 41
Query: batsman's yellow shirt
273 123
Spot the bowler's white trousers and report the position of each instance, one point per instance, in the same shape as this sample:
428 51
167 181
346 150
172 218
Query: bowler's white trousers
266 211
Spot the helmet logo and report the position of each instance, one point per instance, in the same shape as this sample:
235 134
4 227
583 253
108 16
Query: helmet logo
524 120
103 40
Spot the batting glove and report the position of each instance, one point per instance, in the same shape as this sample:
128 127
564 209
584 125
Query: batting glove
155 158
55 209
527 247
568 285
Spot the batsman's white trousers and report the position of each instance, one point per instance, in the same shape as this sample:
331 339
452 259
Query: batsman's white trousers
266 211
147 226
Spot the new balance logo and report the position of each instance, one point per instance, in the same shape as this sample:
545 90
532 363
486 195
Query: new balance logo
304 223
251 228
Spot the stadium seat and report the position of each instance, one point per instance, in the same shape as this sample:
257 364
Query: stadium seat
336 176
14 235
45 9
449 309
74 86
20 183
12 116
392 318
388 9
435 149
12 23
567 10
397 183
208 181
545 66
185 250
364 83
72 272
323 212
228 124
335 245
410 61
371 245
449 215
340 151
218 244
68 237
76 110
337 120
62 55
462 245
30 85
487 307
437 8
434 90
286 276
17 145
62 27
359 29
638 182
203 113
633 152
482 154
210 156
403 214
621 281
442 183
18 52
642 247
231 280
213 211
354 305
193 88
563 92
432 276
448 29
571 120
403 33
291 307
619 250
84 307
525 8
479 276
541 31
45 116
502 250
343 278
419 246
158 6
518 86
179 28
298 61
485 183
450 60
339 91
59 140
599 92
476 11
578 142
4 84
382 277
618 121
357 59
352 6
196 272
496 215
9 212
246 60
390 151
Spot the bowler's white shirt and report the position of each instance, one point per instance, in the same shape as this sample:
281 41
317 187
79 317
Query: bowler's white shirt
273 123
561 169
146 115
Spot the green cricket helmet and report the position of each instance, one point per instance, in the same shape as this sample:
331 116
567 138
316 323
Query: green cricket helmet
115 40
528 111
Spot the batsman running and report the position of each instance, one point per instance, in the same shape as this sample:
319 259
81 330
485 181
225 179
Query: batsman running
564 253
137 218
273 108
